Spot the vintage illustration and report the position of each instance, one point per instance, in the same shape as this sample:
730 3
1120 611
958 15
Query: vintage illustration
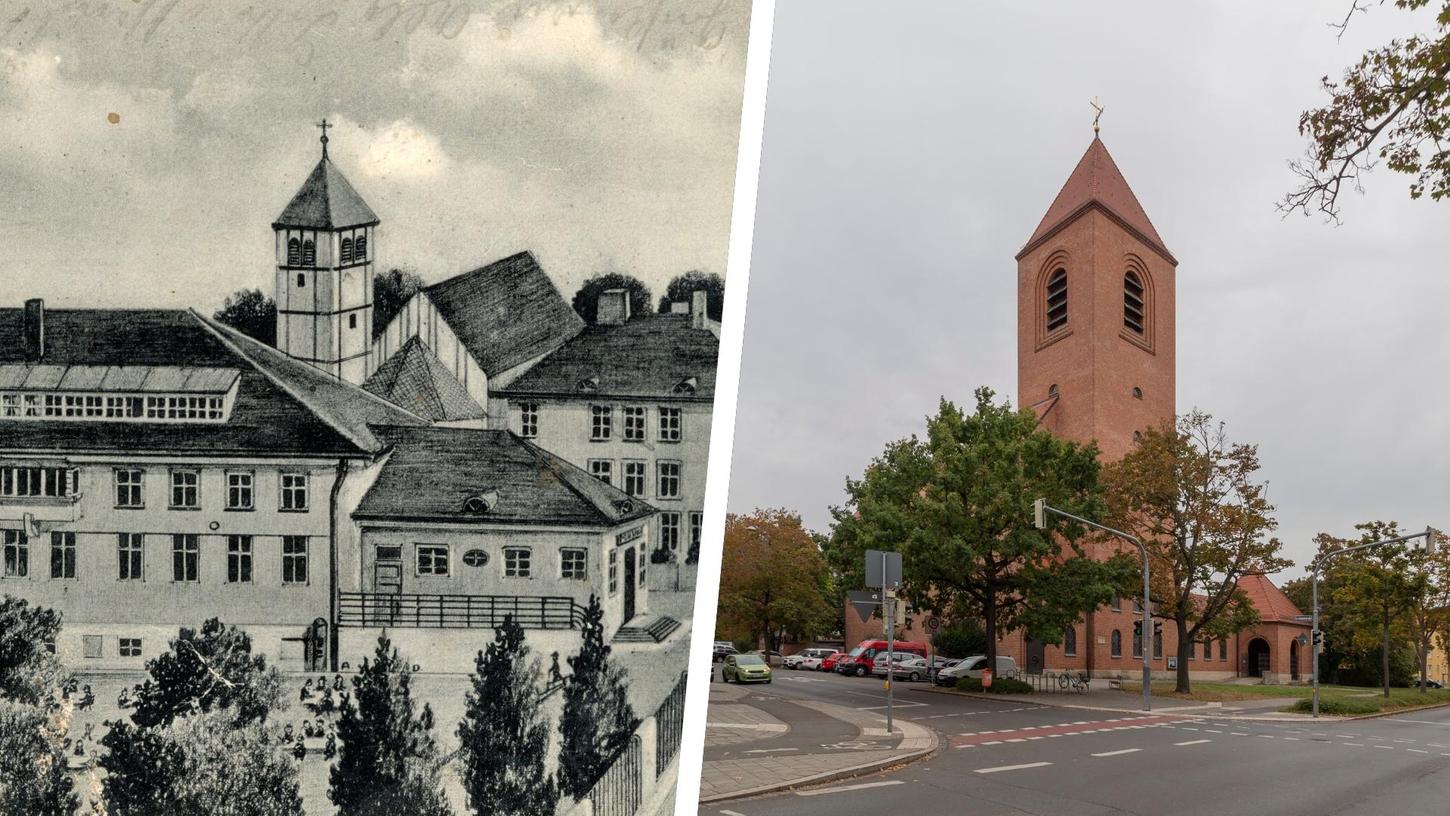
356 385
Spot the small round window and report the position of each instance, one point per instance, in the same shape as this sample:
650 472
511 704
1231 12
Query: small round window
1137 392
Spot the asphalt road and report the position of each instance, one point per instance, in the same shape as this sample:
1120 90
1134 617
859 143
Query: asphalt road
1005 759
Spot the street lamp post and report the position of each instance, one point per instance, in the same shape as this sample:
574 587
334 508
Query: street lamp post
1316 637
1040 509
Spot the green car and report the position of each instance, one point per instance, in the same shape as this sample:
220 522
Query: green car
746 668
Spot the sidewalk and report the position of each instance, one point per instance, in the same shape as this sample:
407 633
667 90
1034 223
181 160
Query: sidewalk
732 721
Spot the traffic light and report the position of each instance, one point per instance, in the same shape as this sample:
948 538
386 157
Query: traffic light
1137 630
1318 638
1039 514
1432 540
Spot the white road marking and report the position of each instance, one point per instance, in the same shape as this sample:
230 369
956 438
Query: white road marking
731 813
1353 744
845 788
1386 747
1117 753
1417 750
1001 768
1192 742
769 750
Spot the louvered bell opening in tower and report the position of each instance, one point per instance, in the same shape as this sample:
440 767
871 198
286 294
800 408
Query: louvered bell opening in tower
1057 300
1133 303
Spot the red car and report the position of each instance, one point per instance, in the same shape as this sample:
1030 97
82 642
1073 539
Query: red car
829 663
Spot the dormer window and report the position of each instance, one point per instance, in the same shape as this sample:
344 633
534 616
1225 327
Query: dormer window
347 250
589 385
309 253
294 252
1057 299
686 386
480 504
1133 302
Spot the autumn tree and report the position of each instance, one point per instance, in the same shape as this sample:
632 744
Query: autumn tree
597 720
586 300
1392 106
1376 589
773 578
251 313
682 288
1193 498
391 291
958 506
504 736
1429 616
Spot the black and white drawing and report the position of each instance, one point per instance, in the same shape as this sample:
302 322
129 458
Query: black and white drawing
307 513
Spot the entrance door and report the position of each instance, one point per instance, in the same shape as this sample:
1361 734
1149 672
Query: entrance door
629 582
388 581
1293 660
1258 657
1036 656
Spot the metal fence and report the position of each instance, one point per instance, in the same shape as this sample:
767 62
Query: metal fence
457 611
1058 681
670 723
621 790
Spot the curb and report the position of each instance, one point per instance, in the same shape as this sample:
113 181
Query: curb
1192 710
1395 713
840 773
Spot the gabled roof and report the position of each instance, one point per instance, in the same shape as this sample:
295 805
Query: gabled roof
430 472
345 407
417 380
326 201
656 355
275 413
505 313
1097 182
1271 602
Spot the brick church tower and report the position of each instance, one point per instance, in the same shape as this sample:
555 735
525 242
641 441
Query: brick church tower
1095 356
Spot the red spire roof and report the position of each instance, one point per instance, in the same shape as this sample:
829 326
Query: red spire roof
1096 181
1273 605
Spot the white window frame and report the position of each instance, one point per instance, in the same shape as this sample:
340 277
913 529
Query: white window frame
292 485
602 469
573 563
636 423
128 545
138 487
184 544
241 484
177 483
529 420
296 550
601 422
436 554
670 530
671 424
669 486
629 478
513 567
241 551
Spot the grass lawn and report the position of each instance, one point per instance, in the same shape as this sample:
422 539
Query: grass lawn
1361 696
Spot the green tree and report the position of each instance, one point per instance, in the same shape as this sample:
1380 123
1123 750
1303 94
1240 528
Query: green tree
1376 589
1391 106
597 720
960 640
586 300
387 762
28 672
1345 659
33 775
251 313
504 736
683 287
391 291
204 669
1193 498
773 579
1429 616
958 506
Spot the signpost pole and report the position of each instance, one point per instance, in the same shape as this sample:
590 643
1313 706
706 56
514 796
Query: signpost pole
889 601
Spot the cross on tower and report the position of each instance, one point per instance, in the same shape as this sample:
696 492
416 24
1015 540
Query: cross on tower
1098 114
324 125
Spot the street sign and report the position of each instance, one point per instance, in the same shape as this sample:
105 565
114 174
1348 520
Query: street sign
933 623
865 602
883 569
1304 618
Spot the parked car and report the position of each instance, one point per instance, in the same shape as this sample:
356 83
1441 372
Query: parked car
745 668
1429 684
828 663
771 656
806 658
722 649
910 667
939 663
858 661
972 667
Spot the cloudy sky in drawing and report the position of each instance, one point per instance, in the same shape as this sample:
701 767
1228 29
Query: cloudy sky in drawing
908 156
601 135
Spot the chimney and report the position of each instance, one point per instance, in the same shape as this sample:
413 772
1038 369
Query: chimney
698 301
613 309
34 329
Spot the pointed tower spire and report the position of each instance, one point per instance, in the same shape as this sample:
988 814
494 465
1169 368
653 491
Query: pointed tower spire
1096 182
324 125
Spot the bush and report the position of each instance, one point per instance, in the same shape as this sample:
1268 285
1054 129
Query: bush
960 640
1000 685
1339 706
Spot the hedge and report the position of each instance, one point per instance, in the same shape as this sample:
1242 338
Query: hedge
1000 685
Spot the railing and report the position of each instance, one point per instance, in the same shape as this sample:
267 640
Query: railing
1060 681
457 611
670 718
621 790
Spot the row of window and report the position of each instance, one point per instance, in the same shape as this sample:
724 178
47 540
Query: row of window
434 560
304 253
131 557
92 647
670 529
113 407
640 561
34 482
185 490
633 427
1116 646
1134 299
633 474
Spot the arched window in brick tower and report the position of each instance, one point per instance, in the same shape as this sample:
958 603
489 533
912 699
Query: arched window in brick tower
1117 643
1133 302
360 249
294 252
347 250
1069 641
309 253
1057 299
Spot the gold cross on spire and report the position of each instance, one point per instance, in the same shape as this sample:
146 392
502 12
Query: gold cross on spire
324 125
1098 113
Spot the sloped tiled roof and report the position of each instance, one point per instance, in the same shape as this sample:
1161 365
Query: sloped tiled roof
326 201
266 418
417 380
343 406
430 472
505 313
1271 602
650 356
1096 181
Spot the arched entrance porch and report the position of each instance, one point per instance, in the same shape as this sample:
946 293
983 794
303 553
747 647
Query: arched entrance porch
1258 657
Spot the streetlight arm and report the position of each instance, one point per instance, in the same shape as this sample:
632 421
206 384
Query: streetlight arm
1093 524
1317 563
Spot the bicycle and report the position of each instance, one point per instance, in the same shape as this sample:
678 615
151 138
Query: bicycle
1076 681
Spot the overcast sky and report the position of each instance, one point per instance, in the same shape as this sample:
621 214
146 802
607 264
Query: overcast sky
908 156
149 144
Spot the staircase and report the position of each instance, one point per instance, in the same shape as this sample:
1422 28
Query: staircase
646 629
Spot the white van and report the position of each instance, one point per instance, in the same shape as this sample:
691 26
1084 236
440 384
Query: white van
972 667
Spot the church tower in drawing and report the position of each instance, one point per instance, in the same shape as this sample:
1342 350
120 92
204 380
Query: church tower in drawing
325 244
